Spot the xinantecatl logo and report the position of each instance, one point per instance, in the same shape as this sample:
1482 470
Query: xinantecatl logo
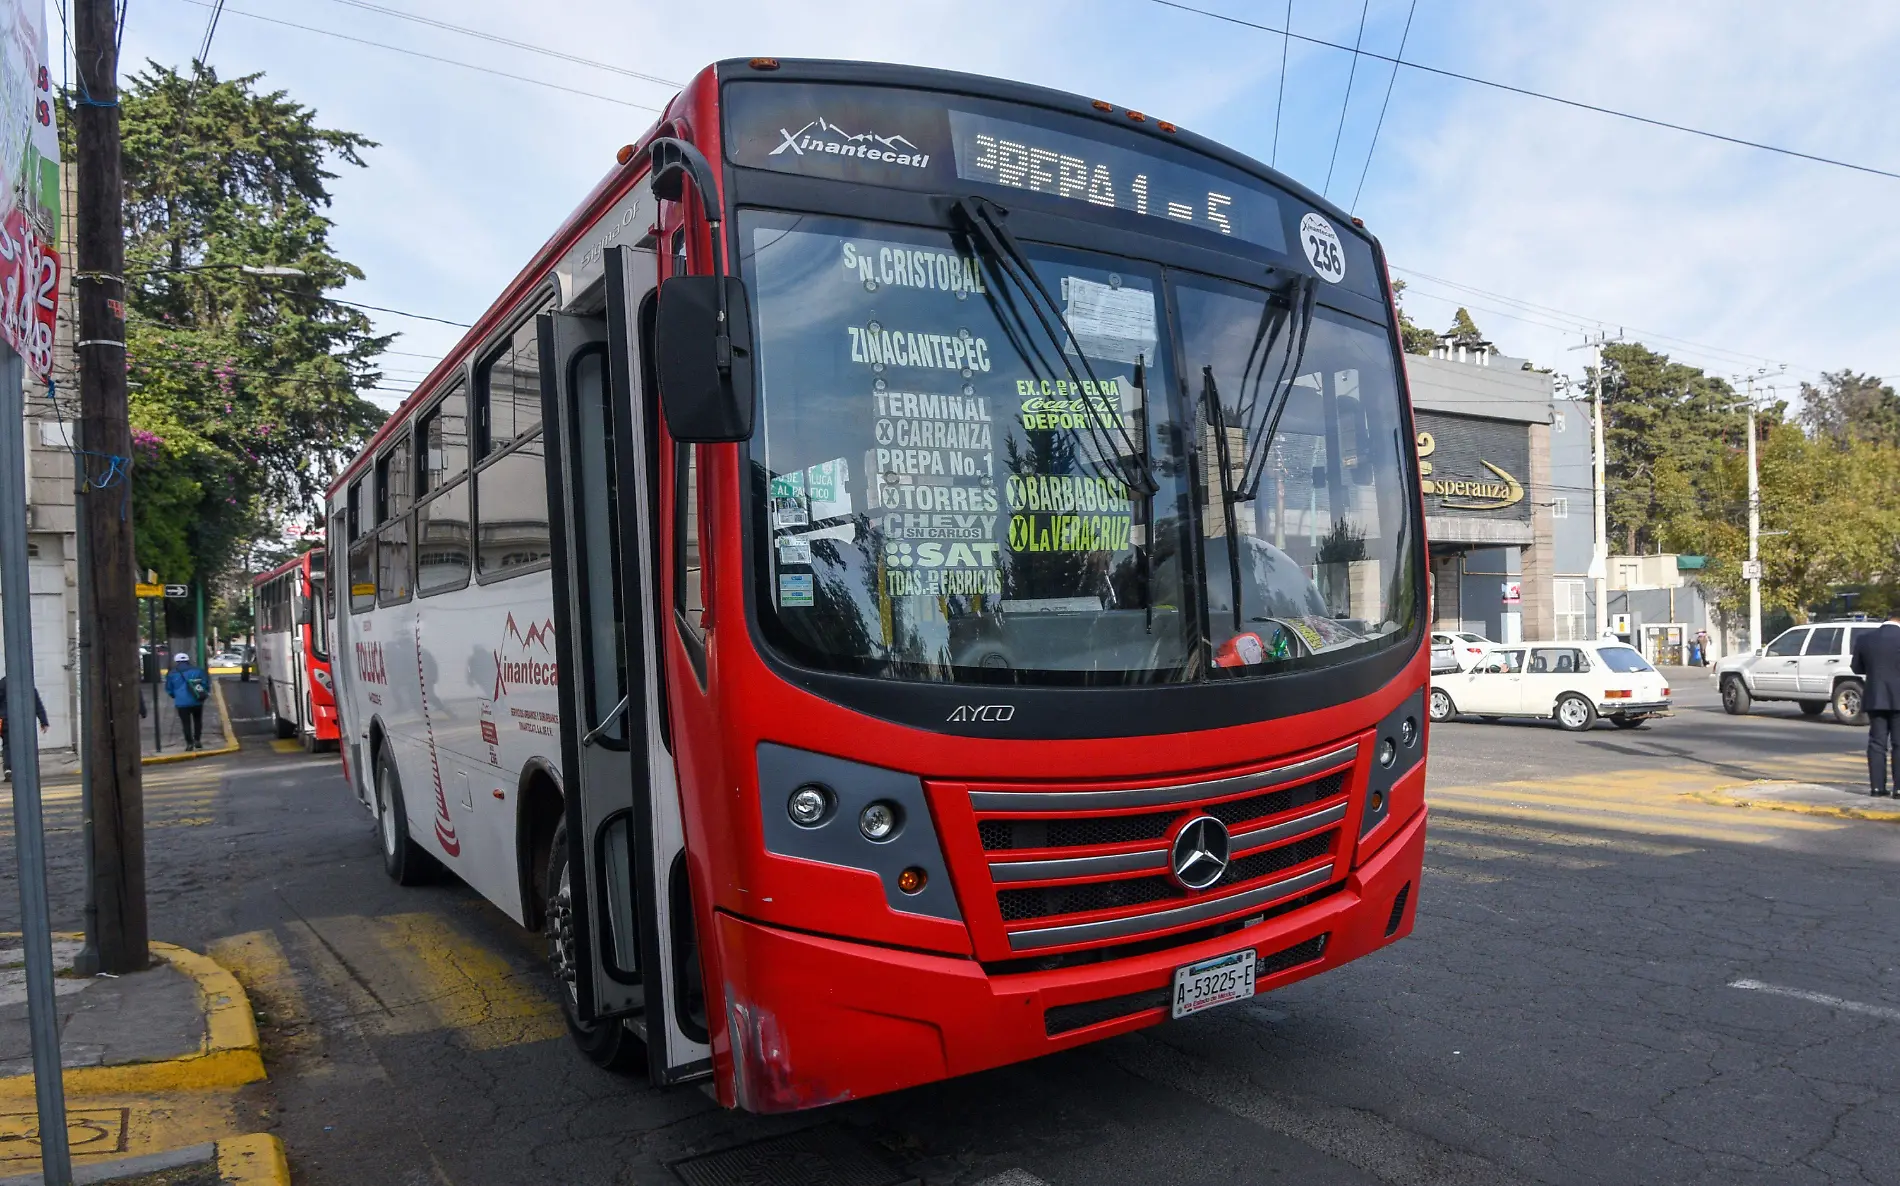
821 137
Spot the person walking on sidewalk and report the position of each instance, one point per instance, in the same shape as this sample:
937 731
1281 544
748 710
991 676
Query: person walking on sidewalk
1877 662
6 739
189 687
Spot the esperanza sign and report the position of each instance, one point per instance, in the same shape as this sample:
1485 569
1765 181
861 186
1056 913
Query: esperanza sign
29 186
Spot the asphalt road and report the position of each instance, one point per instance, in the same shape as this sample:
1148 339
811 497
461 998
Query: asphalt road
1567 1010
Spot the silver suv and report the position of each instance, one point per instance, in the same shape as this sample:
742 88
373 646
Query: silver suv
1810 665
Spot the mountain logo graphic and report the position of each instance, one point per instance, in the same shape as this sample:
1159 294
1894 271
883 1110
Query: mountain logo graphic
821 137
516 665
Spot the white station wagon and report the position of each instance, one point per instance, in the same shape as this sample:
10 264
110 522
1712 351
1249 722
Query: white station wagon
1571 682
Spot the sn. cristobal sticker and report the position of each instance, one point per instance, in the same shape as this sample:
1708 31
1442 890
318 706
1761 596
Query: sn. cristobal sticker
1323 248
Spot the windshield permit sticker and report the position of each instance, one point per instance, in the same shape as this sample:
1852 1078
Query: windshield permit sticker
794 549
1323 248
1109 321
825 138
794 589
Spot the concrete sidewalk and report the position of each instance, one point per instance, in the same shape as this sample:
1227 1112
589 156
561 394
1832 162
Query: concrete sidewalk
1806 798
158 1068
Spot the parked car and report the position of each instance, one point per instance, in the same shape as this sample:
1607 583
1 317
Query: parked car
1465 648
1573 683
1810 665
225 659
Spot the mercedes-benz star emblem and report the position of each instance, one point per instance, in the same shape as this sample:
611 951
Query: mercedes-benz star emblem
1200 852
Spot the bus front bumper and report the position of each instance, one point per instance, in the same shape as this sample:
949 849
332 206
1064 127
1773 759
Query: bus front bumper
815 1020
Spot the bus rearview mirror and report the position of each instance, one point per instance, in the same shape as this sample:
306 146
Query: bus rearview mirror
300 610
704 402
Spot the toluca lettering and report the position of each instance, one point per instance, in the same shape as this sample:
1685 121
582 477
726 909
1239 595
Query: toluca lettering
876 346
369 663
907 267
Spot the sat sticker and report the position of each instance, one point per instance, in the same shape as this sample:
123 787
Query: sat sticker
1323 249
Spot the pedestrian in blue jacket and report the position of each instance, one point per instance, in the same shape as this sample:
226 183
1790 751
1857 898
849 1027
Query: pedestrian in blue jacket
189 686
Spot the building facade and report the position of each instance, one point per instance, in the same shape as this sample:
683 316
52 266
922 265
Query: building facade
1484 442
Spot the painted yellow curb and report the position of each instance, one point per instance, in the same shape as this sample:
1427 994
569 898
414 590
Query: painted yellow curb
231 743
254 1160
228 1056
1866 813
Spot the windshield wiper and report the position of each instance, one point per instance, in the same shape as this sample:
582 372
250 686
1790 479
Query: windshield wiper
1274 319
984 221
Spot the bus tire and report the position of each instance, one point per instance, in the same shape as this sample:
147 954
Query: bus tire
607 1044
403 858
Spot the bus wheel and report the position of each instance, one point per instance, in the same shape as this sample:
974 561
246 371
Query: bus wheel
285 729
403 858
608 1044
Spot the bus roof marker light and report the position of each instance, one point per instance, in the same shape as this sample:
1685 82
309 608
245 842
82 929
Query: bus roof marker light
625 154
1165 126
1138 117
763 63
1101 106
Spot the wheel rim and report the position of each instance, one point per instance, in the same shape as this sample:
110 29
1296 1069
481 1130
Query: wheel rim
1571 713
1850 702
560 932
1441 706
1729 698
388 820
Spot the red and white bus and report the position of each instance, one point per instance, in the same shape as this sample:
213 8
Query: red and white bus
293 650
918 572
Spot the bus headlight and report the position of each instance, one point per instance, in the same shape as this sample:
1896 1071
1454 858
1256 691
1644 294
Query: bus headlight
323 679
809 805
878 821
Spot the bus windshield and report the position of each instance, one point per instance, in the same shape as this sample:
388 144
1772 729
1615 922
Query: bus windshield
961 475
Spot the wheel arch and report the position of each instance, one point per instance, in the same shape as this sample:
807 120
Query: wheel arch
540 806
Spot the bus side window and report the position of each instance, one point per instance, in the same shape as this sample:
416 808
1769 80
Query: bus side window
509 383
395 491
362 563
689 574
511 512
442 441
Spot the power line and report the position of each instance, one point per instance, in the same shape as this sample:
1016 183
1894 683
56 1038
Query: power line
398 312
1525 91
510 42
1376 128
1352 72
211 28
416 53
1281 101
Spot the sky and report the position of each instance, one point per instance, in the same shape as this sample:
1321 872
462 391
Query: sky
1547 222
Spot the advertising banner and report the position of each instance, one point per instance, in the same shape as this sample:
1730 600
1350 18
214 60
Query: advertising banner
29 197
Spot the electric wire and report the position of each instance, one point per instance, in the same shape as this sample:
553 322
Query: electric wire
1352 72
1378 127
211 29
416 53
509 41
1281 101
1528 93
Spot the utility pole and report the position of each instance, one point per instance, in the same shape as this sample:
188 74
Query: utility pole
1754 528
117 859
1600 539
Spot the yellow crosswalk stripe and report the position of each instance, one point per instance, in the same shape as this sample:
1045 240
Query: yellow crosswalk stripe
1670 807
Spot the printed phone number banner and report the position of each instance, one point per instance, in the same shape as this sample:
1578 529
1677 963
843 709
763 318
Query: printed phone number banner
29 201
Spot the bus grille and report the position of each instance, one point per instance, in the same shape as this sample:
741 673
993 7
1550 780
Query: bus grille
1088 866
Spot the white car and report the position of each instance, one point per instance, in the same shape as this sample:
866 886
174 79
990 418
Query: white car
1573 683
1462 647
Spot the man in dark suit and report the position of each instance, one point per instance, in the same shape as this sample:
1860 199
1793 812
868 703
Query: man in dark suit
1877 662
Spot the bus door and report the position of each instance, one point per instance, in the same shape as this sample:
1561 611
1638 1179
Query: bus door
635 959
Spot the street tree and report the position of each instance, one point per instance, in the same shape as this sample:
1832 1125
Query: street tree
1849 407
246 388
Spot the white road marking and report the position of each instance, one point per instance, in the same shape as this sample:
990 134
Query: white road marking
1884 1012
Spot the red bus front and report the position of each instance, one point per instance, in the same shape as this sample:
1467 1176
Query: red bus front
293 624
1059 629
